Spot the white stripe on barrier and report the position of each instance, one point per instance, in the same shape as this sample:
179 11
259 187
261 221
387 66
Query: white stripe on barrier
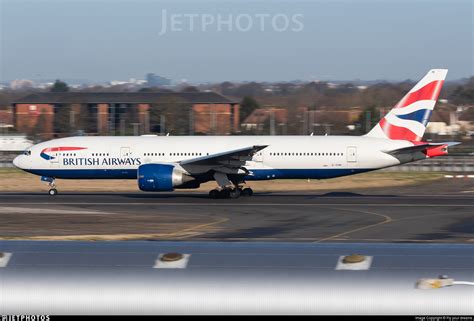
458 176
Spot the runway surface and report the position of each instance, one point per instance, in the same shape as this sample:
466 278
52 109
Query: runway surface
369 216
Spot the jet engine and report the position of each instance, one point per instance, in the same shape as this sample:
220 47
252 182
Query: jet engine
161 177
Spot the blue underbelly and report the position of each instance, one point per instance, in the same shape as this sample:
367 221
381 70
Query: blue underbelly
316 173
258 174
87 173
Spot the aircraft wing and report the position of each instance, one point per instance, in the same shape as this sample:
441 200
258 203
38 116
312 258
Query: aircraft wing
232 159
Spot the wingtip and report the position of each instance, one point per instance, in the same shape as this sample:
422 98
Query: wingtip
453 143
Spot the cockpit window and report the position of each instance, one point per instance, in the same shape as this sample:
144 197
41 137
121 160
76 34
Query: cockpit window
27 152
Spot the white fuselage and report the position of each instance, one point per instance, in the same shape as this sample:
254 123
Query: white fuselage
285 157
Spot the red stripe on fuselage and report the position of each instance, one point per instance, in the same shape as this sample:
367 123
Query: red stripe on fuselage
428 92
61 149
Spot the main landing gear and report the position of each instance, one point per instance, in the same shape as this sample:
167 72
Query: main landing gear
228 188
52 184
230 192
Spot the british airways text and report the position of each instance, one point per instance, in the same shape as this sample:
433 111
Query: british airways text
90 161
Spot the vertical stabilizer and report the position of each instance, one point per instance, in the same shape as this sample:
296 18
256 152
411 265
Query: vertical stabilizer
408 119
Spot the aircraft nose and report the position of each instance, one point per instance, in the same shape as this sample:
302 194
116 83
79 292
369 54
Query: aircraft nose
17 161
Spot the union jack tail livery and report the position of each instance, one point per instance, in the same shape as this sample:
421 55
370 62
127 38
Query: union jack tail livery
408 119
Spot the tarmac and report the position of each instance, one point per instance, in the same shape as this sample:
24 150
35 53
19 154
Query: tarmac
440 212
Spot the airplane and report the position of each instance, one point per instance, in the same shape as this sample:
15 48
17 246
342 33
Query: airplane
166 163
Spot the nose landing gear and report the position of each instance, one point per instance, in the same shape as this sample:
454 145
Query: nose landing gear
52 184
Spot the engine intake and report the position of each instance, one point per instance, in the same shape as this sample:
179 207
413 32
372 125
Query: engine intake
160 177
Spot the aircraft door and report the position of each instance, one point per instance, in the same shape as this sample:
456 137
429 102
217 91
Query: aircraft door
125 152
55 160
258 157
351 155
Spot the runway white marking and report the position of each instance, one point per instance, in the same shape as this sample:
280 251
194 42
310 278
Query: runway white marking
27 210
258 204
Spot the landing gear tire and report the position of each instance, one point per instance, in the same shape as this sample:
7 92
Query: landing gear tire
214 194
225 193
234 193
247 192
53 192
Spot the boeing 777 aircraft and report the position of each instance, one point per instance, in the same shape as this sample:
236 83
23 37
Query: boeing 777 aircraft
171 162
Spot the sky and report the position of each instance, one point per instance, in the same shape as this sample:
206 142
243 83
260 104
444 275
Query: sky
235 40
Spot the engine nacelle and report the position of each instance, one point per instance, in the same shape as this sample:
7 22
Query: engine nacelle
160 177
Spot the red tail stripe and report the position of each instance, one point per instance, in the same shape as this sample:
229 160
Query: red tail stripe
428 92
396 132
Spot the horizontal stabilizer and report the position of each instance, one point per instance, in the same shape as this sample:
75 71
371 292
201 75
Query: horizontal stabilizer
424 147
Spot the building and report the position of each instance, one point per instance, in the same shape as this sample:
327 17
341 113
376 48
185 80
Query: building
260 118
125 113
6 118
275 120
451 120
155 80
